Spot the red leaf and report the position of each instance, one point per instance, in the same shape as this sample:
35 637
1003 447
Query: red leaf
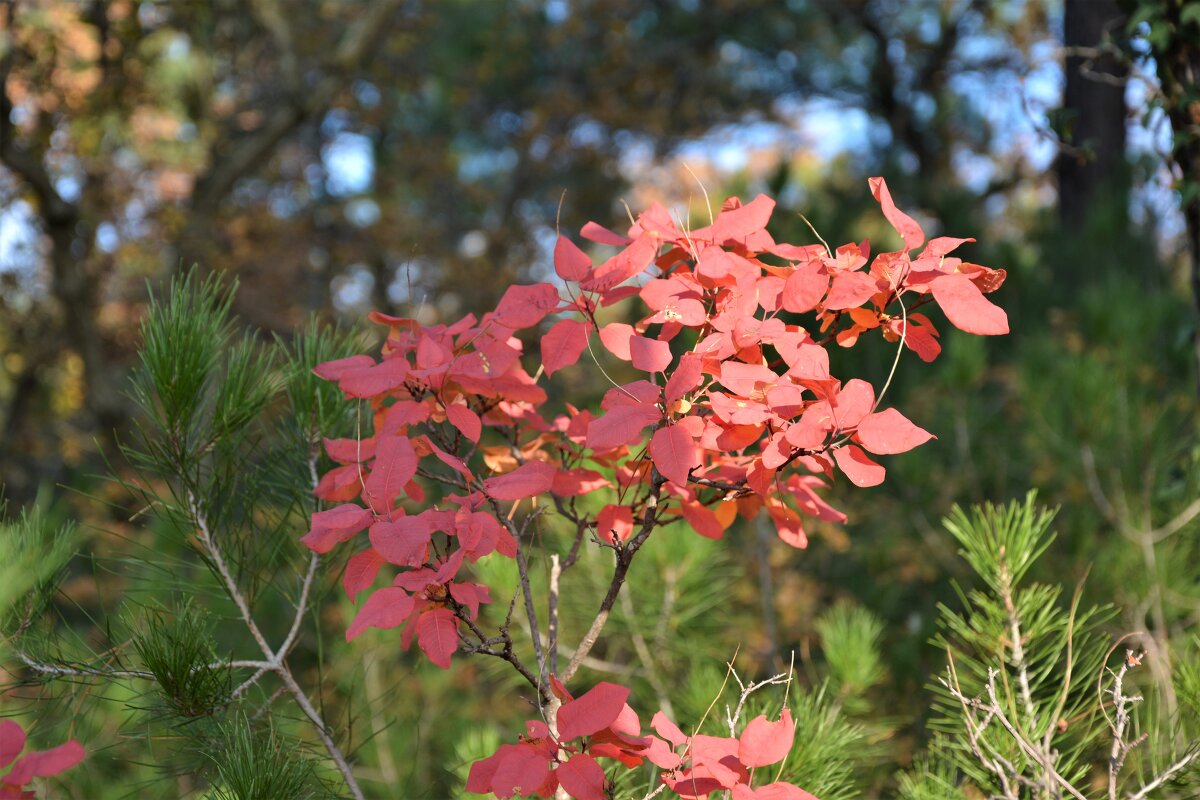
351 451
850 290
853 403
592 711
771 791
703 521
395 464
614 523
44 764
333 370
574 482
582 777
563 344
615 336
374 380
621 425
470 595
624 265
966 307
788 527
805 288
335 526
521 770
905 225
403 541
649 355
601 235
861 470
667 729
674 452
528 480
764 742
889 432
340 484
684 378
360 573
570 263
437 635
466 420
479 779
12 741
806 362
384 609
526 306
738 223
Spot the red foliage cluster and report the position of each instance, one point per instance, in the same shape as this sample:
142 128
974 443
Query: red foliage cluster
600 724
41 764
737 413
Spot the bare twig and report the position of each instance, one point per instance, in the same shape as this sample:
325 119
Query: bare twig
625 554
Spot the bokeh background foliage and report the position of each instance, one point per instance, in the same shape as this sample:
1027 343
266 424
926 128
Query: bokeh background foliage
412 157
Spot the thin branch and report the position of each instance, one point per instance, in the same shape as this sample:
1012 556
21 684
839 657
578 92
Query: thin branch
625 556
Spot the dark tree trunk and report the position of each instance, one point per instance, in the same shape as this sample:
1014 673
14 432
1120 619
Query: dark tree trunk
1092 171
1178 64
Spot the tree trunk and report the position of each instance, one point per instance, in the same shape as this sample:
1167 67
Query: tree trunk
1092 174
1178 64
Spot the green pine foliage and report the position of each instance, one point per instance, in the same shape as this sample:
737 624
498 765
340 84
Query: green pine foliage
1032 702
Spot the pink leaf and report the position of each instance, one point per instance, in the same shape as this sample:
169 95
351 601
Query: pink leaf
615 337
12 741
403 541
335 526
782 791
340 484
805 288
764 742
528 480
574 482
333 370
351 451
395 464
684 378
601 235
582 777
591 712
966 307
738 223
563 344
702 520
526 306
465 420
621 425
360 573
522 770
384 609
479 779
374 380
674 452
437 635
905 225
570 263
853 402
44 764
667 729
860 469
649 355
470 595
771 791
889 432
850 290
614 523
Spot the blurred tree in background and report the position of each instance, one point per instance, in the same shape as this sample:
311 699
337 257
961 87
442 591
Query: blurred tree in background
417 158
